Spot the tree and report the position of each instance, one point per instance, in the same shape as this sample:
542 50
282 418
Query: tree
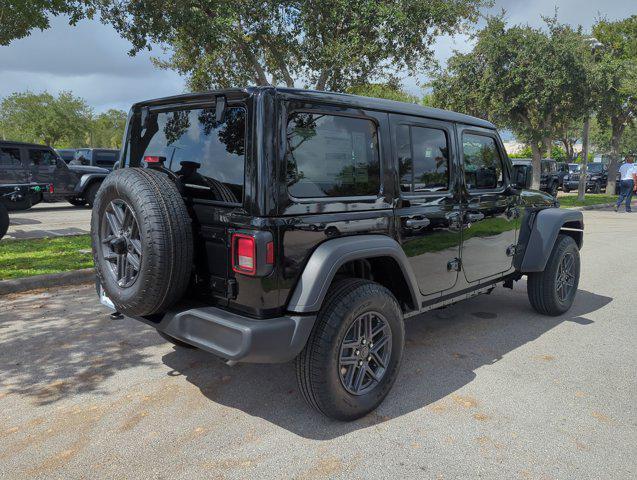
527 79
43 118
107 129
616 71
18 18
327 44
390 90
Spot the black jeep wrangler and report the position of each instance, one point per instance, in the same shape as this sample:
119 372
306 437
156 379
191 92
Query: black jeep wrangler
268 224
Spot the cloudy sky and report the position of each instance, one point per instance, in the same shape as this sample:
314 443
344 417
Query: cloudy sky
91 60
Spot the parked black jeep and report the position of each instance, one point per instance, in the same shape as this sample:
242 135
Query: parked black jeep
550 175
266 224
95 157
17 196
596 178
32 163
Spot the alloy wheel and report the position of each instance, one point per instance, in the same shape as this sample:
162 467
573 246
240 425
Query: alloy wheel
121 243
365 353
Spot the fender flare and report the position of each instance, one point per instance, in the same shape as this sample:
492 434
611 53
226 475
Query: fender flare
312 286
545 228
86 180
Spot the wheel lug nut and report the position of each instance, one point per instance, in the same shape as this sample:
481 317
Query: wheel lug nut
357 352
360 363
364 341
369 359
371 345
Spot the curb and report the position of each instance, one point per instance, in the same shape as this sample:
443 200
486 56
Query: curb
74 277
598 206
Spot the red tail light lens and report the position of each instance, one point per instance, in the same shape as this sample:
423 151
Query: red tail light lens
51 188
244 254
153 159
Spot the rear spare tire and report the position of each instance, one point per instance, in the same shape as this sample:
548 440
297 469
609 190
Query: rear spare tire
142 241
4 220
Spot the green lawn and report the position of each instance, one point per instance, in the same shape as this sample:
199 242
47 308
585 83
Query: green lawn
24 258
567 201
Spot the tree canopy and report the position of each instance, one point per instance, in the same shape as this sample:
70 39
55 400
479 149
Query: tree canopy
530 80
325 44
65 121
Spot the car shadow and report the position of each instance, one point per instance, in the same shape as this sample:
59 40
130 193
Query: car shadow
443 350
53 232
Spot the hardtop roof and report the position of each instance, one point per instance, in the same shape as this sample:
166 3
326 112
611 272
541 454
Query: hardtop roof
356 101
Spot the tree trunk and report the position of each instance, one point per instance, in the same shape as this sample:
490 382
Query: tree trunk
615 142
546 144
581 189
536 162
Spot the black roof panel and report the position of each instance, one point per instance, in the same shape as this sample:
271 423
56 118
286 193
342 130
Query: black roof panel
356 101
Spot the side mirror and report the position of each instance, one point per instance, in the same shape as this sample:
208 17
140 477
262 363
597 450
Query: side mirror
522 176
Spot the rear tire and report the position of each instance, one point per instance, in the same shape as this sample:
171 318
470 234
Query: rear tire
144 266
77 202
91 193
4 220
552 291
327 364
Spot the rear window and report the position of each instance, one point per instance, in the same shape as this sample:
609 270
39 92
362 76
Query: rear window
9 156
331 156
207 156
105 158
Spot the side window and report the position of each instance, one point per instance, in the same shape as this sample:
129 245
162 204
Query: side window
423 159
42 157
482 163
9 156
331 156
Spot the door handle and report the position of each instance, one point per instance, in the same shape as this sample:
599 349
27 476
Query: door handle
417 223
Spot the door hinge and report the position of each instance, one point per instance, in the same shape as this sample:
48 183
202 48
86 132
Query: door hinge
511 250
455 264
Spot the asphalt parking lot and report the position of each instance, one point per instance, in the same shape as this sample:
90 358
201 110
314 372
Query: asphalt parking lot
488 389
49 220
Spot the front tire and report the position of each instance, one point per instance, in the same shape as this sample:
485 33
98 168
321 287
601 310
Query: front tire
352 357
4 220
553 190
91 193
552 291
597 188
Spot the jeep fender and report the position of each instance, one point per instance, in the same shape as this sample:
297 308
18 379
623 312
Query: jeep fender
323 264
544 229
86 180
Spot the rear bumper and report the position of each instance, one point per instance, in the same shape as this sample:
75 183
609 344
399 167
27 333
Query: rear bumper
238 338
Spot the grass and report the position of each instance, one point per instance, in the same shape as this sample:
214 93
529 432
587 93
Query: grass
24 258
567 201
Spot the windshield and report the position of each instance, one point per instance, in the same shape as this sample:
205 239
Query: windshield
207 156
573 167
595 167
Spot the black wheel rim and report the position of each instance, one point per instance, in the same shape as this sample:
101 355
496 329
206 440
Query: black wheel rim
121 243
565 283
365 353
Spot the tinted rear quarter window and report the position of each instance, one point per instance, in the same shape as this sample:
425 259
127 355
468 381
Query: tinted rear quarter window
423 159
105 158
9 156
331 156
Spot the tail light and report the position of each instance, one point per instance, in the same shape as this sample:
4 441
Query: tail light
51 188
252 253
244 254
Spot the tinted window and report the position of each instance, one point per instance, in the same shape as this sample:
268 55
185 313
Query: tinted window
42 157
423 159
105 157
482 164
9 156
206 155
596 167
331 156
67 155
